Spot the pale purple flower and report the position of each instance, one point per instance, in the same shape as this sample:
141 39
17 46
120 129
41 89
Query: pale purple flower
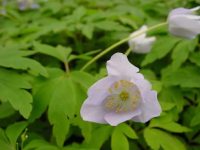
27 4
184 22
141 44
123 95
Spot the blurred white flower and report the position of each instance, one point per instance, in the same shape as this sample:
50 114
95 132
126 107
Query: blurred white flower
184 22
123 95
3 7
27 4
141 44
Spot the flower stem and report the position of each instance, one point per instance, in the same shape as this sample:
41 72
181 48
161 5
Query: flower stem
128 51
119 43
66 67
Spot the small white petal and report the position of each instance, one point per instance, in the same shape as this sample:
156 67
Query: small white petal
93 113
99 91
144 46
150 108
184 26
114 118
184 23
141 44
119 65
143 85
195 8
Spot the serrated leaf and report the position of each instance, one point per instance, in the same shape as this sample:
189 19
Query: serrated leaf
83 78
119 140
39 144
6 110
58 52
62 107
127 130
173 95
156 138
102 133
196 118
185 77
109 25
13 131
181 52
88 30
195 58
12 90
15 59
160 49
166 123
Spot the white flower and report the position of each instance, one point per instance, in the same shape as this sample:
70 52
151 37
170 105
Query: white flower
184 23
141 44
123 95
27 4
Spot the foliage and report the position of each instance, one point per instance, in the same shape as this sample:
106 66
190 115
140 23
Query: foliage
42 88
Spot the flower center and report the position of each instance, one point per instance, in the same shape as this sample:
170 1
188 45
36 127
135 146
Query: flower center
124 96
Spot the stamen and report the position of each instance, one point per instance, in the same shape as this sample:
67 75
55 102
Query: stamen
124 96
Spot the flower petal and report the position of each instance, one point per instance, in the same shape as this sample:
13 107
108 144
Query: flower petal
144 46
150 108
114 118
184 26
99 91
119 65
93 113
184 23
143 85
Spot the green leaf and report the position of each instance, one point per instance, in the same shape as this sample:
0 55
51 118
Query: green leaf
41 99
160 49
127 130
88 30
102 133
83 78
12 90
15 59
195 58
6 110
156 138
13 131
165 122
58 52
62 107
181 52
185 77
4 142
196 118
109 25
38 144
119 140
173 95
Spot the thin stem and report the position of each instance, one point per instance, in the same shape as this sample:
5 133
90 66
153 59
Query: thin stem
119 43
128 51
104 52
66 67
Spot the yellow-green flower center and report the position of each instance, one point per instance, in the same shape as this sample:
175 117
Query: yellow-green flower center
124 96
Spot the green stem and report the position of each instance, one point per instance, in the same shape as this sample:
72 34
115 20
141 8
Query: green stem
128 51
66 67
119 43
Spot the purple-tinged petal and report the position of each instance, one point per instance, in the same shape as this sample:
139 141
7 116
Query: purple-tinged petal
150 108
93 113
119 65
99 90
114 118
143 85
184 23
